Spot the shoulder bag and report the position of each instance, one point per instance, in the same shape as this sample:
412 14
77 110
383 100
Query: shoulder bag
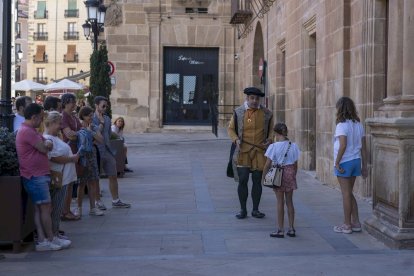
273 178
56 179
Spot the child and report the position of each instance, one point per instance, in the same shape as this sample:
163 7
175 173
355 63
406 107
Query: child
284 153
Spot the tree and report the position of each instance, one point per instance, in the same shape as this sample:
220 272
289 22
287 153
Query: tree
100 83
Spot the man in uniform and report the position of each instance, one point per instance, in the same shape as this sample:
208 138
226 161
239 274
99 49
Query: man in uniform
250 129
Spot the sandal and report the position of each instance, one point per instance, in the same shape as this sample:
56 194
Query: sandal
277 234
69 217
291 233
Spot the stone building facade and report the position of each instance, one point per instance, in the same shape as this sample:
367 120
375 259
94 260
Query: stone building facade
170 57
305 55
318 51
57 47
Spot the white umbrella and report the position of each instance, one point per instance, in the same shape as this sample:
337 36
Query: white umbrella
64 84
26 85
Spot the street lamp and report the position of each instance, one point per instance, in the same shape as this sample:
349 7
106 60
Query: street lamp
95 22
6 115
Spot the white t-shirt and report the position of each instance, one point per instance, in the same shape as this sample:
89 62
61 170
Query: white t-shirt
354 131
60 148
17 121
276 152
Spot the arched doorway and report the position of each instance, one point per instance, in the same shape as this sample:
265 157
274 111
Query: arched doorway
258 53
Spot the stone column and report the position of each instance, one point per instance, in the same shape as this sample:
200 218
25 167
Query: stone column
155 71
392 130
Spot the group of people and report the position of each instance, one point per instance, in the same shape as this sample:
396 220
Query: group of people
258 148
54 140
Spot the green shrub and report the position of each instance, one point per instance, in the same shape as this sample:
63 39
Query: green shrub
9 164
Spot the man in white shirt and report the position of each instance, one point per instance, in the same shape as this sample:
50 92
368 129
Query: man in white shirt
21 104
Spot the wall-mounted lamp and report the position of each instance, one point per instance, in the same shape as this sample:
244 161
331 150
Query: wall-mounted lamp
19 56
236 56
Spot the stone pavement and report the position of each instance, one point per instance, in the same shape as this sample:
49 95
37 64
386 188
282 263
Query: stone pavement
182 223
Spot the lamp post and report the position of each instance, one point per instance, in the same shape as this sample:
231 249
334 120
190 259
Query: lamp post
95 22
6 115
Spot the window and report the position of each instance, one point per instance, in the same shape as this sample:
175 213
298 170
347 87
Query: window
71 34
71 27
40 75
71 71
17 48
41 10
72 10
72 5
18 30
41 33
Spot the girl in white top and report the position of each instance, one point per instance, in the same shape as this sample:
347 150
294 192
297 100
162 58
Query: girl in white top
118 129
284 153
349 156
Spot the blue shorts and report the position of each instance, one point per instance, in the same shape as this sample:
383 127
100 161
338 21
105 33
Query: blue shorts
38 188
351 168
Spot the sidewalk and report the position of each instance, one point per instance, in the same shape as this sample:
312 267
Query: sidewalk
182 223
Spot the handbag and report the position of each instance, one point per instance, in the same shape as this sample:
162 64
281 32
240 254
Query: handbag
273 178
56 179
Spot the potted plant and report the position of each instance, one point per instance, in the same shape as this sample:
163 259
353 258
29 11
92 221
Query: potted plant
16 214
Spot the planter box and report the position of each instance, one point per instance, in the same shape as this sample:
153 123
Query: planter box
16 212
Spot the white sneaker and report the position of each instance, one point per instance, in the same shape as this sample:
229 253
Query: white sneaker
100 205
96 212
61 242
47 245
77 211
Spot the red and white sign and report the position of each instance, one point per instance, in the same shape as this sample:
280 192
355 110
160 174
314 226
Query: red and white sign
112 68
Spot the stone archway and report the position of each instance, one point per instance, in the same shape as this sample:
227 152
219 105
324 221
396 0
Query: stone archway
258 53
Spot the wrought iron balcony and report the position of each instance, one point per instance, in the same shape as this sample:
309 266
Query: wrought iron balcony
240 11
72 13
42 80
44 60
75 59
71 36
40 14
244 12
40 36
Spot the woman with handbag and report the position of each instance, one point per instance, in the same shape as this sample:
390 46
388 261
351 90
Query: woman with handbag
285 154
62 169
350 160
90 176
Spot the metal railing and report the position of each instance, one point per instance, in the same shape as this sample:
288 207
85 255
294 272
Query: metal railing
71 35
40 14
40 36
76 59
45 59
72 13
42 80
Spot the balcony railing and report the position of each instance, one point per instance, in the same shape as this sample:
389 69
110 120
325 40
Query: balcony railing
245 12
44 60
76 59
72 13
40 14
240 11
71 35
40 36
42 80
